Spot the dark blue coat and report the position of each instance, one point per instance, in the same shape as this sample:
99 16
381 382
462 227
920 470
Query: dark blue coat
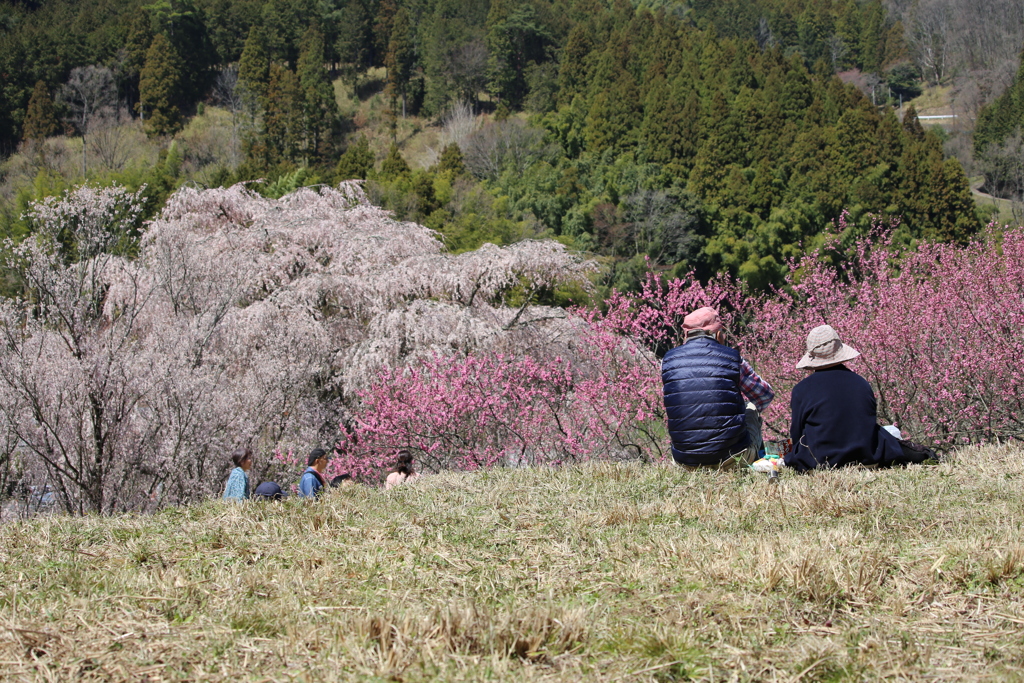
703 403
835 423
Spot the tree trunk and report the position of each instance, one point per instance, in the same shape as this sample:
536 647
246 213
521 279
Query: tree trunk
95 480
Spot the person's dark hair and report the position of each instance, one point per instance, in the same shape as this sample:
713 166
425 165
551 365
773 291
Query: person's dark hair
403 463
240 455
339 479
315 455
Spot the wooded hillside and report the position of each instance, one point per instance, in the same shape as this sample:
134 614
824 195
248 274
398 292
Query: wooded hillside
703 135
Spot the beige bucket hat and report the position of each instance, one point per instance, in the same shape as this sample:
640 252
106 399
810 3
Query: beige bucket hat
825 348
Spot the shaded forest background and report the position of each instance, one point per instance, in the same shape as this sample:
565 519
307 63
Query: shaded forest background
707 135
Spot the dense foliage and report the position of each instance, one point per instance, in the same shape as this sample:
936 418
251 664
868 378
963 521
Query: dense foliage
709 136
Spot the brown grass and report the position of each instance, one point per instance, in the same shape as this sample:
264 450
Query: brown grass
601 572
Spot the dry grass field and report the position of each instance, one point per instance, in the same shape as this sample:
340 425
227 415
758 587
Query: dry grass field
602 572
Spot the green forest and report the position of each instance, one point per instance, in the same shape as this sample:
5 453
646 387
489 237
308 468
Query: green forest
710 135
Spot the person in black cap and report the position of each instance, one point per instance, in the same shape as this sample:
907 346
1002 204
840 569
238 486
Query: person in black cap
268 490
312 483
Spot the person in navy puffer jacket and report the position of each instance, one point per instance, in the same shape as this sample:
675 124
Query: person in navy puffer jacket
713 398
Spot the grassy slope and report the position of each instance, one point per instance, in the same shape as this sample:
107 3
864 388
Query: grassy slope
934 100
416 137
603 572
1002 208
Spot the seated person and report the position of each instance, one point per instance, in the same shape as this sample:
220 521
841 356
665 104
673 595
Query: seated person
268 490
312 483
834 419
344 479
402 471
237 487
713 398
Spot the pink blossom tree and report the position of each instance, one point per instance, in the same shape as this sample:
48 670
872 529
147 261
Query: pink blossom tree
72 372
938 326
319 320
242 320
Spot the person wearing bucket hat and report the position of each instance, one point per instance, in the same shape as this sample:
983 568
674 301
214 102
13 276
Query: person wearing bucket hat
825 349
713 397
834 413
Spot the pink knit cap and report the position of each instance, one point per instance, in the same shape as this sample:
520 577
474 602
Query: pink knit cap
703 319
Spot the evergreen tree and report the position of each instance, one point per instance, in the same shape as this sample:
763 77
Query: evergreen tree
668 133
708 173
227 23
657 132
319 106
451 160
614 116
187 32
797 94
354 43
890 138
895 47
722 125
515 38
763 189
740 74
282 117
741 127
447 54
920 173
394 166
283 22
955 218
872 37
848 28
857 137
814 26
40 119
1003 117
382 24
160 88
356 162
572 73
400 56
912 124
254 67
568 127
140 37
657 53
